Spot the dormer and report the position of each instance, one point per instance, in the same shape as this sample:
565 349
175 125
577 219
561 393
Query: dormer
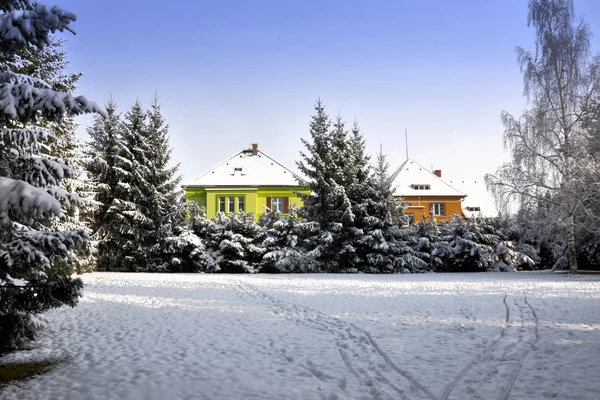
420 186
237 171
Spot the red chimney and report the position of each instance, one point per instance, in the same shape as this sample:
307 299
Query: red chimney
254 148
438 172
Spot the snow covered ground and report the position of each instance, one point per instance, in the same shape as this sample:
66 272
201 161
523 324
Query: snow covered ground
432 336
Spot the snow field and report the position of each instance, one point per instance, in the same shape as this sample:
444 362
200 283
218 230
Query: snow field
430 336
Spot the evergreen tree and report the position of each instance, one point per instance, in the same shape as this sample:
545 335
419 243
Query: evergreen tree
35 258
286 243
185 249
239 239
107 171
209 233
384 245
137 193
166 199
325 166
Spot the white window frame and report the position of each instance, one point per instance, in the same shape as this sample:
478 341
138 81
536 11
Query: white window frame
438 209
278 204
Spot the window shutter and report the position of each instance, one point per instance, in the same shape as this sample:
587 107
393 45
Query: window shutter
269 203
286 205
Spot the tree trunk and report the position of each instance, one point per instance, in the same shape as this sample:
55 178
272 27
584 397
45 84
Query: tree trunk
571 245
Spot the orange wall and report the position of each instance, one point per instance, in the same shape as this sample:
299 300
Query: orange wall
453 206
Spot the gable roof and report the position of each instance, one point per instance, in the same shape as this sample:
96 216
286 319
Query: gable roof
246 168
411 173
477 196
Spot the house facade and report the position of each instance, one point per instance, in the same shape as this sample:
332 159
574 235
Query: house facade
425 194
249 181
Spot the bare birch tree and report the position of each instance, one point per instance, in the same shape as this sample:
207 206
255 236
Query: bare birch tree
547 142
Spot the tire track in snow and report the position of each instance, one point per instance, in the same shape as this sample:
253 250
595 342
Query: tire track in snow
527 351
361 354
498 365
462 373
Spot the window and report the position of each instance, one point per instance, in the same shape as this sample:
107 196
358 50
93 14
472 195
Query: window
473 208
421 187
228 204
280 204
410 218
438 209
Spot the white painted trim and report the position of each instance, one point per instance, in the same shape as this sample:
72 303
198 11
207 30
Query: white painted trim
228 189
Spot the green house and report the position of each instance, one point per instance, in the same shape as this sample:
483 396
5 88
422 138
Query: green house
249 181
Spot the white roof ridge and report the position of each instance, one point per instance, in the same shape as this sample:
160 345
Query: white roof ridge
401 166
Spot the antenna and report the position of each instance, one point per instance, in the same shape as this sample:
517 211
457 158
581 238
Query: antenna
406 140
380 147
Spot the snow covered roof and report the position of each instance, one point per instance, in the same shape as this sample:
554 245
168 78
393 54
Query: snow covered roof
412 179
250 167
477 197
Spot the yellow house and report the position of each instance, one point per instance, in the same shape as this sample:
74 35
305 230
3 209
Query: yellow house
425 194
249 181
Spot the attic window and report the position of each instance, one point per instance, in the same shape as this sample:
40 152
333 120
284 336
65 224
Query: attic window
473 208
421 187
237 169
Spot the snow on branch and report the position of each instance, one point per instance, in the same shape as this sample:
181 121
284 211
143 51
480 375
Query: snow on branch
33 24
15 78
22 198
24 102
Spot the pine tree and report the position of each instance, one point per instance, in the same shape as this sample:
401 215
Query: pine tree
209 233
286 243
239 239
50 64
137 193
166 199
106 168
185 250
35 259
384 246
325 166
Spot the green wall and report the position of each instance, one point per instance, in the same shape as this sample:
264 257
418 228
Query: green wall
255 198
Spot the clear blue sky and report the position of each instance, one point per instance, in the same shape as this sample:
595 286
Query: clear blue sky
230 73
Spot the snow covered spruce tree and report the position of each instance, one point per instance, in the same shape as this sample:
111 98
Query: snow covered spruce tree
190 247
359 221
239 239
50 64
384 245
141 202
285 245
134 212
327 204
166 201
548 157
106 170
35 259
